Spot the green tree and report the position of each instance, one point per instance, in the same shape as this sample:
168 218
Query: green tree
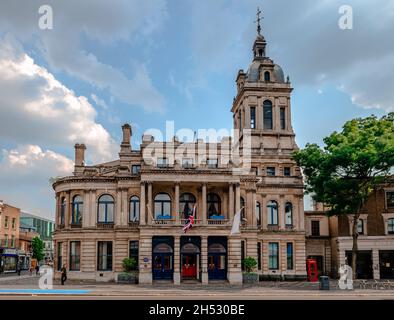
351 165
38 248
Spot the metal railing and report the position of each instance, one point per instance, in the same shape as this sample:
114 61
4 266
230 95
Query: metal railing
105 225
217 221
163 221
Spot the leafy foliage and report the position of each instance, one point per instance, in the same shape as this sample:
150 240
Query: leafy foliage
250 264
351 164
38 248
129 264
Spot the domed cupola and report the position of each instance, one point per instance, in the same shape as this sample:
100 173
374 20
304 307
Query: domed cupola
262 68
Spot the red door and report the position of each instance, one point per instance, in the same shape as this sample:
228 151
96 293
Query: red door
189 269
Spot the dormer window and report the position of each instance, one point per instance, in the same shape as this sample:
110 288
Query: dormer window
267 76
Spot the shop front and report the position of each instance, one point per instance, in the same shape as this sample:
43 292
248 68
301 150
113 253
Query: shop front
9 260
386 263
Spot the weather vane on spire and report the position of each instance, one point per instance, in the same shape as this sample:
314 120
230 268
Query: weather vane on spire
258 20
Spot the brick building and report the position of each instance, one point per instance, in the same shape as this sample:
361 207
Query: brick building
9 235
375 242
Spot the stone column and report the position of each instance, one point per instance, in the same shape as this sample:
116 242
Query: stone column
295 214
204 259
86 209
249 208
237 198
67 219
375 264
204 204
276 114
177 273
150 201
301 213
264 218
125 208
234 261
288 120
259 114
231 202
177 220
57 216
145 272
254 218
142 205
247 117
281 212
118 207
93 208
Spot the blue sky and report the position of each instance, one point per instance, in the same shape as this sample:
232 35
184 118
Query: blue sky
146 62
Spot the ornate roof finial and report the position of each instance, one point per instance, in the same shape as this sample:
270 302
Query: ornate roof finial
258 20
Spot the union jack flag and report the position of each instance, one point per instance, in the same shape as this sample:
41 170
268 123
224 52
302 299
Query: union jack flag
190 220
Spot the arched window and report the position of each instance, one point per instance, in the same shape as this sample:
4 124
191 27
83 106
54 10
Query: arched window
62 211
360 226
258 213
187 202
106 209
77 210
288 214
267 76
162 206
134 214
390 226
242 206
267 113
272 211
214 205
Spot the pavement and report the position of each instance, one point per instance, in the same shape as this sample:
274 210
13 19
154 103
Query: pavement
27 287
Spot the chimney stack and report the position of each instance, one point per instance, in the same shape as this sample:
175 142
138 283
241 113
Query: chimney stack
80 155
125 145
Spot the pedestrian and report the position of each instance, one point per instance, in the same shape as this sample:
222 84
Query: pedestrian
64 274
19 267
37 268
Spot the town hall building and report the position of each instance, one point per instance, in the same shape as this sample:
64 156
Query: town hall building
137 205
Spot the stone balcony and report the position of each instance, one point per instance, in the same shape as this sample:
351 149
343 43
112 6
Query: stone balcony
105 225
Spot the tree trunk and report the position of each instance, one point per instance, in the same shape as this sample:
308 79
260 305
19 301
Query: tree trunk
355 245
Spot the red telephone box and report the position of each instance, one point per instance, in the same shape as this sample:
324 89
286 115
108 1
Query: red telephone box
312 270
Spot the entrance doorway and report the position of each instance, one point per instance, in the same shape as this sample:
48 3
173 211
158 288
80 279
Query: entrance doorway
217 260
163 262
190 258
386 262
363 264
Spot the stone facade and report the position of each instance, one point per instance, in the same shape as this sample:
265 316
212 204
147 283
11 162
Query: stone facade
140 202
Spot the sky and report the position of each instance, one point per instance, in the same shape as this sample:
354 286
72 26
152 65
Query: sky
105 63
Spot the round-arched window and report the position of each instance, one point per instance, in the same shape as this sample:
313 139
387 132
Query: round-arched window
77 210
106 209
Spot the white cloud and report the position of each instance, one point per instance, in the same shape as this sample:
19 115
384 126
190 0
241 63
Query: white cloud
25 174
96 20
35 108
31 161
99 102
